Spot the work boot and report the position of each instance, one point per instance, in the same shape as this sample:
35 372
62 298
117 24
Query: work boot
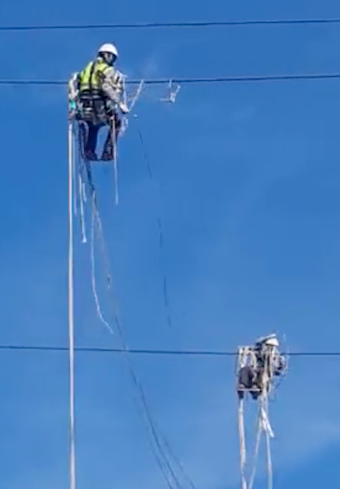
90 156
107 156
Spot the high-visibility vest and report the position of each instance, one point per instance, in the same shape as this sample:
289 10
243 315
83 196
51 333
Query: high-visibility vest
91 77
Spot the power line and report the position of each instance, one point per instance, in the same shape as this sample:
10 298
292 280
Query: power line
146 351
182 81
190 24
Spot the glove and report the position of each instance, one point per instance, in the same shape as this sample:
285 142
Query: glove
124 108
72 109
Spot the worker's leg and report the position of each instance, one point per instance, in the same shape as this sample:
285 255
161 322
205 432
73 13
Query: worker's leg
91 141
111 140
245 380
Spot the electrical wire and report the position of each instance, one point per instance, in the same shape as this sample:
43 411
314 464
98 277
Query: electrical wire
159 225
146 351
152 434
182 81
157 441
189 24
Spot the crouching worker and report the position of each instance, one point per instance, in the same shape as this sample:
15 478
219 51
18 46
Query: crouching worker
96 95
261 363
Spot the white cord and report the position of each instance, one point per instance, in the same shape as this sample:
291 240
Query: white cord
93 270
257 447
71 310
81 204
269 435
74 173
115 159
242 443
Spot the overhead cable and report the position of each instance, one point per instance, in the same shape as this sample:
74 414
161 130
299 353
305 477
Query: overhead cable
147 351
160 25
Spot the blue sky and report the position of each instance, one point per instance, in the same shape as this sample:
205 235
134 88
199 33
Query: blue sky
248 195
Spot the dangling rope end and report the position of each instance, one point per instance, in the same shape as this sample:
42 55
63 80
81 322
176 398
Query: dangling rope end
115 158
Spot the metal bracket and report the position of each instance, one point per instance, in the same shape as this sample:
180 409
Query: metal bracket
173 89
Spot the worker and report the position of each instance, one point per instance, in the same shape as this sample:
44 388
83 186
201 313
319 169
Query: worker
97 92
264 358
267 355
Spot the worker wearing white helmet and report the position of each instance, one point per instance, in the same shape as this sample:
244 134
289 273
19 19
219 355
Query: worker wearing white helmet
264 358
100 87
270 340
108 48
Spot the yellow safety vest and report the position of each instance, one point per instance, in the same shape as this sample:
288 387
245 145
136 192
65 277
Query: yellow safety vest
92 75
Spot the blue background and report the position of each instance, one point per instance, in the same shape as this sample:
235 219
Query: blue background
246 182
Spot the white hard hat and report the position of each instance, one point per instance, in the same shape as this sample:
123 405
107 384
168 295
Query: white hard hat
272 342
108 48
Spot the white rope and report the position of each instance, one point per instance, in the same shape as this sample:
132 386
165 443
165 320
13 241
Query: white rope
269 463
93 273
77 178
136 95
263 424
257 447
157 442
115 159
269 435
74 171
95 218
172 93
242 443
71 312
132 100
82 201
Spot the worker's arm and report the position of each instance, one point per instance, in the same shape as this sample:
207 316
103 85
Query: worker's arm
113 87
73 86
73 90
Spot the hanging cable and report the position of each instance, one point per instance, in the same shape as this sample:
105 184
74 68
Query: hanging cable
262 367
93 276
147 351
74 176
242 442
82 201
157 441
269 434
82 197
257 447
95 213
154 442
96 221
71 311
81 192
200 80
115 157
159 225
188 24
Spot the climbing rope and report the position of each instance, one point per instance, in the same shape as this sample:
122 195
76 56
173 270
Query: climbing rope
242 443
157 442
159 446
71 310
159 220
164 457
262 423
